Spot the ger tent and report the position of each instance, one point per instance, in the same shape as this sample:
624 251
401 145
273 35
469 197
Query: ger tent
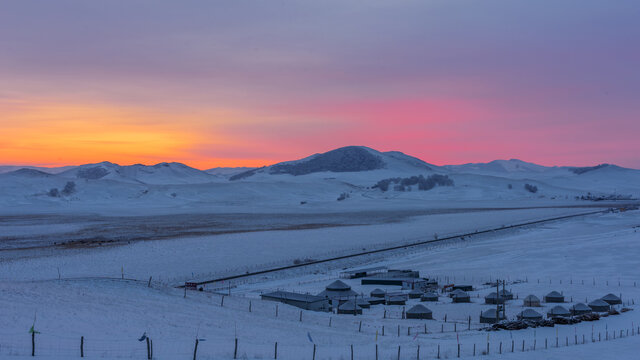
349 307
493 298
558 311
489 317
531 301
430 296
599 305
419 312
529 314
612 299
554 297
580 308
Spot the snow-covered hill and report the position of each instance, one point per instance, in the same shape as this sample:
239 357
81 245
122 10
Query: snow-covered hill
349 173
162 173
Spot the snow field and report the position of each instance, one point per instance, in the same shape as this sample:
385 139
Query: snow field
112 314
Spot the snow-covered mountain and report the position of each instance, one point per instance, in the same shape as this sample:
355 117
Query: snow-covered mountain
49 170
499 167
349 159
162 173
359 175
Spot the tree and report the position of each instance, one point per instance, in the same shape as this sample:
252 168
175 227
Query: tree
69 188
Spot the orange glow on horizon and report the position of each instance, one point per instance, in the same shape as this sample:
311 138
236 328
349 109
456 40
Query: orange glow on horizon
75 134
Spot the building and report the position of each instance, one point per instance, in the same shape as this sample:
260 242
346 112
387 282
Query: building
404 282
461 297
338 290
415 294
191 285
599 305
580 308
430 296
349 307
378 293
490 317
529 314
302 301
531 301
363 303
419 312
360 273
375 300
506 294
554 297
612 299
558 311
462 287
493 298
396 300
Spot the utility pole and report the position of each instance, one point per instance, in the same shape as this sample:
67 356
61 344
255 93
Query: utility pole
497 301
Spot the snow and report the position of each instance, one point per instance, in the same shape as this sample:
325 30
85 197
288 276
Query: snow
113 313
125 225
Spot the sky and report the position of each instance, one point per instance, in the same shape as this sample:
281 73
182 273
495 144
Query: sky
251 83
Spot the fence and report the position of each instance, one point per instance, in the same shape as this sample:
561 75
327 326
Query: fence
59 346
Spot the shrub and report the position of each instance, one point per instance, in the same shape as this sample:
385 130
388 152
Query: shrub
531 188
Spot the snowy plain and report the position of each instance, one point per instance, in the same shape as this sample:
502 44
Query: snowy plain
103 262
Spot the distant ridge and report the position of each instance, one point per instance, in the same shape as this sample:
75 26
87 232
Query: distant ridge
344 159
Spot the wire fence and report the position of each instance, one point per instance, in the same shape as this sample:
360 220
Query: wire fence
67 347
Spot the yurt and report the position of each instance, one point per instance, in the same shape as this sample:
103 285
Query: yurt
461 297
580 308
493 298
599 305
396 300
430 296
419 312
529 314
558 311
554 297
531 301
489 317
338 290
349 307
612 299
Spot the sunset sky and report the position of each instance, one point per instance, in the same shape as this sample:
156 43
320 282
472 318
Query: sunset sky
250 83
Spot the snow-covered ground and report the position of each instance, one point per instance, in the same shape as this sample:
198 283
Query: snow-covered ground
585 258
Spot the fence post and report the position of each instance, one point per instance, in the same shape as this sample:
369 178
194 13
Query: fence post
513 344
500 348
300 315
249 305
151 343
418 355
398 352
382 331
360 326
222 301
314 352
469 323
425 328
148 349
522 345
474 349
275 351
195 350
33 343
81 346
235 349
398 330
376 351
438 351
458 350
351 351
149 283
